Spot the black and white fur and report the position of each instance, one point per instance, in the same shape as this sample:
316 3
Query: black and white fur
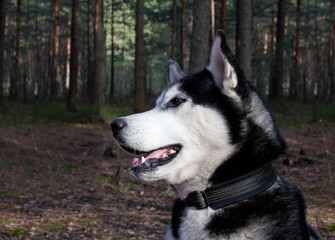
221 129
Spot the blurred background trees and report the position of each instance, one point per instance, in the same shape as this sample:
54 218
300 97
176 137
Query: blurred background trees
49 54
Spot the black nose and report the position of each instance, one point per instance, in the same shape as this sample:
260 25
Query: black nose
117 125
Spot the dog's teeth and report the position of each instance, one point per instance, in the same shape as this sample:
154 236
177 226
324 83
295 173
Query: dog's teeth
172 151
142 159
165 155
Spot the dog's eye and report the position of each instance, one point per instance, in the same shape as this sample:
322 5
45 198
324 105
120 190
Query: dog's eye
175 102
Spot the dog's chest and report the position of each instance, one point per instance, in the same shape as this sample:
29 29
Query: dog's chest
193 225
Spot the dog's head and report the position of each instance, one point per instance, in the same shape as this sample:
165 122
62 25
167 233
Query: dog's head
199 121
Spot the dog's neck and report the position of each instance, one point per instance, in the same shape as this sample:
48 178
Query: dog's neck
235 190
237 160
185 188
205 177
201 183
202 179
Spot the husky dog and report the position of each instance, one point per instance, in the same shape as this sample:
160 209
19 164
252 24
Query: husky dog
212 137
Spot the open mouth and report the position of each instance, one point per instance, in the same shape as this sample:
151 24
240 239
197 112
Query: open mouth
157 157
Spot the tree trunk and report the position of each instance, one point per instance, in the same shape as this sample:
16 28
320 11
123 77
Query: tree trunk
16 73
89 52
224 15
173 30
68 56
139 58
182 35
55 85
276 75
38 55
111 92
332 72
317 51
272 37
212 20
72 100
200 35
48 55
99 70
2 44
243 35
295 76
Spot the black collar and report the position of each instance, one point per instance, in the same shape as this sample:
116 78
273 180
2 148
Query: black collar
235 190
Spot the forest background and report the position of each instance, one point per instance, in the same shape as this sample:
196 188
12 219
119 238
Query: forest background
98 52
67 68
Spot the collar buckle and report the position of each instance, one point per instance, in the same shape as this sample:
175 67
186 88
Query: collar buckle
198 199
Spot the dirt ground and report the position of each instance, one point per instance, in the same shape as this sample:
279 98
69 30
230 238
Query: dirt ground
72 182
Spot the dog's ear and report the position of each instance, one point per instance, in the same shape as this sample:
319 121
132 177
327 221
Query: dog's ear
223 72
174 72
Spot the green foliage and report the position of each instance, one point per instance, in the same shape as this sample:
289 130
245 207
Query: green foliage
288 113
9 164
131 186
321 188
113 111
314 201
18 114
106 179
53 227
87 223
31 171
331 227
6 220
68 166
320 215
6 192
327 176
17 232
165 221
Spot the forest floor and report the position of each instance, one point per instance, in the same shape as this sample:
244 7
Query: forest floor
62 181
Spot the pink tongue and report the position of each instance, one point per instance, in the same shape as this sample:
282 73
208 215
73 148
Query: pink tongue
158 153
135 162
155 154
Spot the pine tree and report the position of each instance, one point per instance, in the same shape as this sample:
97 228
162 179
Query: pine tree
243 35
276 75
72 99
139 58
2 44
200 35
295 74
182 34
55 85
99 65
16 74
